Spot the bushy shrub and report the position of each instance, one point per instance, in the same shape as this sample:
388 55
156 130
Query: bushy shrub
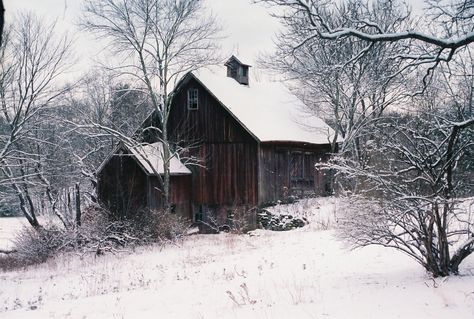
107 231
234 219
157 226
100 232
34 246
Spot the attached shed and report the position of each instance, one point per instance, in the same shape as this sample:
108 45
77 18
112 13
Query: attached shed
129 180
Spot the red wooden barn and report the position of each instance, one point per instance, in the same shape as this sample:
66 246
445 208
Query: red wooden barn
255 142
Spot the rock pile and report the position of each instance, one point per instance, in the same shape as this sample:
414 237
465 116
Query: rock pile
282 222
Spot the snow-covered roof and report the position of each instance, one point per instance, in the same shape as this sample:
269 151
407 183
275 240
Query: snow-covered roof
235 58
150 157
267 110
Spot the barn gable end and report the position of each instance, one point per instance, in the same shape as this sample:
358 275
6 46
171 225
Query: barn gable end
227 171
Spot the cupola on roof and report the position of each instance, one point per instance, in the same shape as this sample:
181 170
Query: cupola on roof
237 70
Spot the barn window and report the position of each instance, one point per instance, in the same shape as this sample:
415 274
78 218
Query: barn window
243 71
193 99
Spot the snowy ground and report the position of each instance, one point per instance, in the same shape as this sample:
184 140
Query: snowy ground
305 273
9 226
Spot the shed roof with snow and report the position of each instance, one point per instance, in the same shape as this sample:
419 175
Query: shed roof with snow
150 158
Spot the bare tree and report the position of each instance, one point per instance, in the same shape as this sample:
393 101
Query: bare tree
349 91
451 22
100 112
411 187
160 41
405 190
32 60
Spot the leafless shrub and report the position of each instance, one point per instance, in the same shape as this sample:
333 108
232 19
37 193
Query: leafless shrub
107 232
101 232
235 219
9 262
161 226
35 246
242 220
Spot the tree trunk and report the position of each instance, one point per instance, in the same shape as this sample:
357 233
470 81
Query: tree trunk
30 215
78 206
166 170
2 21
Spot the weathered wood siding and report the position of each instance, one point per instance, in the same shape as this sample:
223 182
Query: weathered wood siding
288 169
228 154
125 188
180 194
122 185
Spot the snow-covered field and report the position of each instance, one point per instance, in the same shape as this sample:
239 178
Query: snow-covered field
9 226
305 273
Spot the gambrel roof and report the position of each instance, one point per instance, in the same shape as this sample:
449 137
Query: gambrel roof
268 111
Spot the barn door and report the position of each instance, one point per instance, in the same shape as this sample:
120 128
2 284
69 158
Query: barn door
282 176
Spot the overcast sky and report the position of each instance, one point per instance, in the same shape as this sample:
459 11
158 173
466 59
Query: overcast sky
249 29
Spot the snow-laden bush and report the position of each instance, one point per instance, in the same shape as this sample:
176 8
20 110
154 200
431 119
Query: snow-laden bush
33 246
405 190
100 232
109 232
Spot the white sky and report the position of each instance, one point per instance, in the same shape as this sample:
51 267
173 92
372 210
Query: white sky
249 29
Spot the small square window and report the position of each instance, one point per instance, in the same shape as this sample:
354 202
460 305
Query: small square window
193 99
